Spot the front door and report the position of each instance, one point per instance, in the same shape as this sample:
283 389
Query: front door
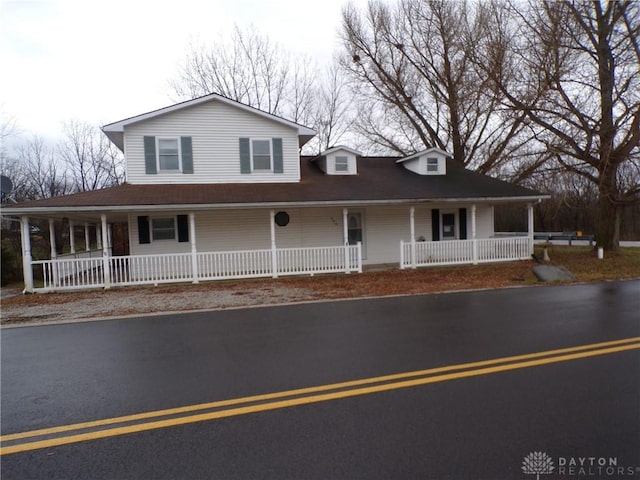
120 239
355 230
448 226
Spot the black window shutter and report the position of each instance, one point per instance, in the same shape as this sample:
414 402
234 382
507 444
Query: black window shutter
144 235
462 215
245 156
183 228
277 155
150 155
187 154
435 224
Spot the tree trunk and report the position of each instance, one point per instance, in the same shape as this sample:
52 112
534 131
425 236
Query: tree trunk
609 217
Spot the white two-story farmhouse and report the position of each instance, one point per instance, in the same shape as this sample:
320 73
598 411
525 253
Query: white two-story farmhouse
216 189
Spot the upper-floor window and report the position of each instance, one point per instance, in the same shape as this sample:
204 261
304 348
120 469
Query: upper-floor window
261 154
168 154
342 163
432 164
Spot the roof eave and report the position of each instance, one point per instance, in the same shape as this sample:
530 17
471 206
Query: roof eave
61 210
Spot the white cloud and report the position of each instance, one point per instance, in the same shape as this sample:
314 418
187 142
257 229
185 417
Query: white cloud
103 61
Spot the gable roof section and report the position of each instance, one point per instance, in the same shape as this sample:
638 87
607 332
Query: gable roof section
379 181
338 148
115 130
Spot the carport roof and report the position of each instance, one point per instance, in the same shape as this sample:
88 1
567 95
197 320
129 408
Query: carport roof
380 180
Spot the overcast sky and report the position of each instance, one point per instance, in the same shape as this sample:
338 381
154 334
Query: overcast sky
104 60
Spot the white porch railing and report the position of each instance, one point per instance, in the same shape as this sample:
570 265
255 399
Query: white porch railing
72 273
457 252
97 253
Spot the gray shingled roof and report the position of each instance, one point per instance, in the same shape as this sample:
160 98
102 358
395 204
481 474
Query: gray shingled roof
379 179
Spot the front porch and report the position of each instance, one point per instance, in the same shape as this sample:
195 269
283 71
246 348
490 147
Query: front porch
341 248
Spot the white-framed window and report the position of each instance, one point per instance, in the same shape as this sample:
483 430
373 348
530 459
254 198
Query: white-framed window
261 154
169 158
342 163
448 224
432 165
163 228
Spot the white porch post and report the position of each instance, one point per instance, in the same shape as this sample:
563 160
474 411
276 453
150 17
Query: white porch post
52 239
109 240
27 271
72 237
530 226
87 242
54 251
474 238
99 237
345 238
194 252
106 267
274 253
412 229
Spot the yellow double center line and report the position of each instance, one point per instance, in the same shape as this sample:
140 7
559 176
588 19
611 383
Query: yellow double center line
110 427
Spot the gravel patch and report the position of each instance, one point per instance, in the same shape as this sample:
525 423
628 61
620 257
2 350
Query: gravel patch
63 307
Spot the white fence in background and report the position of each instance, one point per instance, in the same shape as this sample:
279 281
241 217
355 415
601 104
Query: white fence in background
64 273
458 252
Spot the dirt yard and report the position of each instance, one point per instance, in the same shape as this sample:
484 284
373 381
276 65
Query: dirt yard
56 307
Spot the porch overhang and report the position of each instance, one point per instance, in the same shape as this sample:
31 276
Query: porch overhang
87 212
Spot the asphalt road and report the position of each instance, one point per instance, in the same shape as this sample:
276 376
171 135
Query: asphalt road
475 421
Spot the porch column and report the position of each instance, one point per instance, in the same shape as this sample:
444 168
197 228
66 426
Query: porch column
54 251
109 240
274 253
52 239
194 252
106 268
474 234
98 237
87 241
27 271
530 227
412 229
345 238
72 237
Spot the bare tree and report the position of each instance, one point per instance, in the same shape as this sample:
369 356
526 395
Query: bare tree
417 87
573 69
35 172
250 69
333 113
91 158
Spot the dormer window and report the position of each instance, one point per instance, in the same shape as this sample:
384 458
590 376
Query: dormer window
339 160
342 163
432 161
432 165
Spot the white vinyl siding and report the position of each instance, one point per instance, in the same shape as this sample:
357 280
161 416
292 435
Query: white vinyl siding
214 128
384 227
